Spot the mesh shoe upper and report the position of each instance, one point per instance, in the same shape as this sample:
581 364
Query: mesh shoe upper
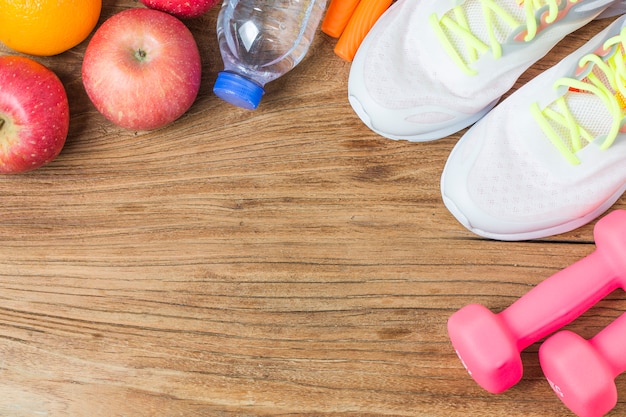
429 68
551 157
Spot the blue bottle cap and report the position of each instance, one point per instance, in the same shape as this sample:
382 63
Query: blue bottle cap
238 90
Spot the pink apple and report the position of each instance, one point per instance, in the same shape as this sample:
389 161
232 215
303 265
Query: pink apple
34 115
183 9
142 68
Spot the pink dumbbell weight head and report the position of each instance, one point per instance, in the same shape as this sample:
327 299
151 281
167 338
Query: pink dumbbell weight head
489 344
582 372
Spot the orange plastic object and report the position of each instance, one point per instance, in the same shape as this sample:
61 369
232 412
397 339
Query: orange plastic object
364 17
337 16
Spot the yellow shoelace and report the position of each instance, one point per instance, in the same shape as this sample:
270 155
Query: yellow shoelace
446 28
606 79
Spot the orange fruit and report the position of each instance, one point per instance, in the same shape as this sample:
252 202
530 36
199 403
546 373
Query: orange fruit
47 27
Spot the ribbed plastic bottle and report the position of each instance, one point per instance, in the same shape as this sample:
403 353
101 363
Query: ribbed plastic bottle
261 40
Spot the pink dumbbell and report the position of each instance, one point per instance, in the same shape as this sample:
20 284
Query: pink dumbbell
582 372
489 345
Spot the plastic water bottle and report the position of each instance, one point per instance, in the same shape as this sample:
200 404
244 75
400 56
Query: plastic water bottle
261 40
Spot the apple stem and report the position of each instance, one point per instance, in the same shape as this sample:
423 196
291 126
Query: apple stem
1 123
140 54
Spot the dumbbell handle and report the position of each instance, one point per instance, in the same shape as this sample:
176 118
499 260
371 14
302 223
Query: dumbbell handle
561 298
611 344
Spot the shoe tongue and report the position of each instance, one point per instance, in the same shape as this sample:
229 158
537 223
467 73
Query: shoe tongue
598 74
588 109
590 113
475 11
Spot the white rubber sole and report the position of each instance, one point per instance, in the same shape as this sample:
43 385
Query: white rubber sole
421 137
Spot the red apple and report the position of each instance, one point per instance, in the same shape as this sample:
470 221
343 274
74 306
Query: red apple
34 115
142 68
183 9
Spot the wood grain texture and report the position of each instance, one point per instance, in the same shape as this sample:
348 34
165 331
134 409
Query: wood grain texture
280 262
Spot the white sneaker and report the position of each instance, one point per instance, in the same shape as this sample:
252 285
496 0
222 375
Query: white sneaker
617 8
552 156
418 75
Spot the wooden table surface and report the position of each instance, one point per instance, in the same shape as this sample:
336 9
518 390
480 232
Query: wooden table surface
279 262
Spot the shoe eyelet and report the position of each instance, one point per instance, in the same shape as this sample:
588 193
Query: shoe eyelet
545 18
521 36
580 69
